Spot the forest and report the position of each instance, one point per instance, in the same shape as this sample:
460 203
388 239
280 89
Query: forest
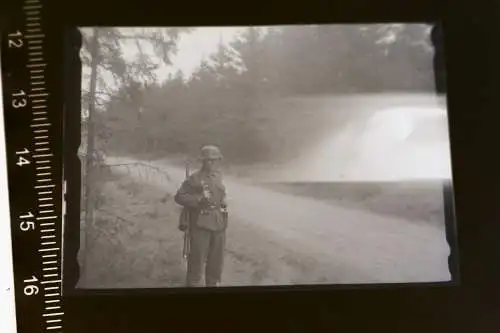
237 97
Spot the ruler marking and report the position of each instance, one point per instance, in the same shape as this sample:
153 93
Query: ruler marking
48 224
34 39
53 300
53 327
51 249
51 281
53 307
49 269
47 217
38 95
32 6
50 262
53 321
43 64
41 125
40 118
37 71
32 13
46 205
30 36
45 186
44 180
53 314
39 100
49 256
33 30
49 236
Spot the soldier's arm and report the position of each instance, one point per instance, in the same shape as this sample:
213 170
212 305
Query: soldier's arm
187 196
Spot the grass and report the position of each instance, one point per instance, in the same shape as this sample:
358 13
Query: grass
135 243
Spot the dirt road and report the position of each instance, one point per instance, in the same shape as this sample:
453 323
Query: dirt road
342 245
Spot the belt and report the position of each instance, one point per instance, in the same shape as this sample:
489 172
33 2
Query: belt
221 208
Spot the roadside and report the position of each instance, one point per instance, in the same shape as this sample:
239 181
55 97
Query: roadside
135 243
345 245
416 202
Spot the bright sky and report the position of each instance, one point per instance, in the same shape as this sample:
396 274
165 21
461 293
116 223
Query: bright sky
192 48
195 46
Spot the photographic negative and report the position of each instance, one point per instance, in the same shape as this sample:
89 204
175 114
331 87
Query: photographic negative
262 156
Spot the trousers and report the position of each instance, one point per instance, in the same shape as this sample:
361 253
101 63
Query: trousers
206 255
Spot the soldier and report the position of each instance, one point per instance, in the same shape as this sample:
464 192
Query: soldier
203 197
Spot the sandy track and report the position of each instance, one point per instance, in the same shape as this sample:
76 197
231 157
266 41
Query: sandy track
352 246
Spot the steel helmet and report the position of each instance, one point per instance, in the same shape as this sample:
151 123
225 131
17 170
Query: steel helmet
210 152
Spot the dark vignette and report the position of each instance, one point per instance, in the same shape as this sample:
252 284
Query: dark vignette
412 308
72 165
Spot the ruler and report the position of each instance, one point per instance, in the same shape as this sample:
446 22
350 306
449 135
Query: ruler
33 128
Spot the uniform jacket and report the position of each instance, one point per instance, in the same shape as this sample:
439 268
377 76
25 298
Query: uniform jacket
191 192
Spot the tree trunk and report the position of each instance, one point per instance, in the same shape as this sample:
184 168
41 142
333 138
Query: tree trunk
89 197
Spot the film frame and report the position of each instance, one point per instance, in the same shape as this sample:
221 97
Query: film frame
77 301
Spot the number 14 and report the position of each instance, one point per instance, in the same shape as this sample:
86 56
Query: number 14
21 160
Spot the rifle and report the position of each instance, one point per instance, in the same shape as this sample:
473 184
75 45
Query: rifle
185 216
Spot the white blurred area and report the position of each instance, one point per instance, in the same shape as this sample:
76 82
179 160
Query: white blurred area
383 139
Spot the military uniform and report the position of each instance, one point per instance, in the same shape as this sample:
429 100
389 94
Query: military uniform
207 226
